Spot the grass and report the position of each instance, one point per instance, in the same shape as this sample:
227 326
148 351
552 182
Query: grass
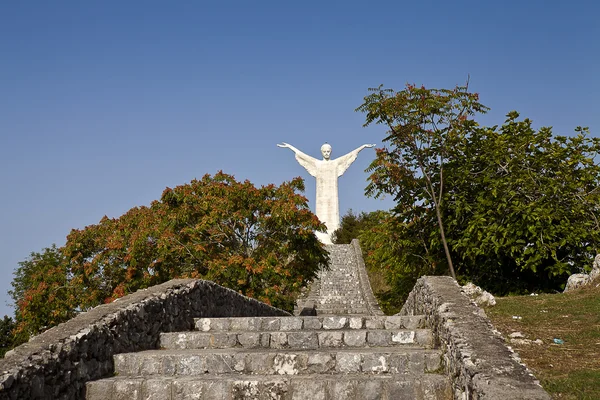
567 371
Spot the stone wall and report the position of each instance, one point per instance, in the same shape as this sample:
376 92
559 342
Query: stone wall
479 363
365 284
57 363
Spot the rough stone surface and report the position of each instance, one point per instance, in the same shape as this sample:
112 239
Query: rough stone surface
480 296
58 363
344 288
576 281
478 361
349 351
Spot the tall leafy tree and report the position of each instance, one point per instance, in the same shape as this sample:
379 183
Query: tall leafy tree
424 125
524 205
258 241
41 293
515 208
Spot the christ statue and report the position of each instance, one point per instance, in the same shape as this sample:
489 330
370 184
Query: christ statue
327 172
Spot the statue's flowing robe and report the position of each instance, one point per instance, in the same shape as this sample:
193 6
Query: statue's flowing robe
327 173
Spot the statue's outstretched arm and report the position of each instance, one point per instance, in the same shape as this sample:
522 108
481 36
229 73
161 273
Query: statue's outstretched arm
309 163
345 161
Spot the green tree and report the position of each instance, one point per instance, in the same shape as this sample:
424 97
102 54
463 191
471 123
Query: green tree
424 127
257 241
519 206
352 225
7 327
41 293
523 205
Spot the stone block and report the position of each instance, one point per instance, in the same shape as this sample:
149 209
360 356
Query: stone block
275 389
303 340
270 324
375 323
249 340
356 338
187 389
398 363
401 390
221 363
404 337
279 340
260 363
247 389
370 390
375 363
156 389
291 324
394 322
217 389
320 363
285 364
191 365
378 338
331 339
126 364
224 340
212 324
313 390
265 340
416 363
99 390
127 390
342 389
348 362
335 322
356 322
170 363
151 365
312 323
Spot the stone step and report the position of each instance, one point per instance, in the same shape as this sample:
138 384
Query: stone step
270 324
307 387
310 340
374 360
339 310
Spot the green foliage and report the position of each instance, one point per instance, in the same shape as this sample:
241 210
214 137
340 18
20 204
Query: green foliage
523 206
425 125
7 326
519 206
401 253
257 241
352 225
41 293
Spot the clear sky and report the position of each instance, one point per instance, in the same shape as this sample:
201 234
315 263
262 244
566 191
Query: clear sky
104 104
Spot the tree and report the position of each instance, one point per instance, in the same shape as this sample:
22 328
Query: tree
257 241
424 125
523 205
352 225
515 208
41 293
7 326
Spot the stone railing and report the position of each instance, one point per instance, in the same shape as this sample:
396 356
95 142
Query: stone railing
479 363
58 363
371 301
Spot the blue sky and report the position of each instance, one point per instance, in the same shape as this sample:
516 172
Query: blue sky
104 104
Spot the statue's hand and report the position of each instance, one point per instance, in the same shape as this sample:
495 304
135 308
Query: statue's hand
370 145
283 144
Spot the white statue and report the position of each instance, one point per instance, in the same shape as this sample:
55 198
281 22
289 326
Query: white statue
327 172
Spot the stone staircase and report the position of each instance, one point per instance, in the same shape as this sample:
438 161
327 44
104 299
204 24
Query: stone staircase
347 351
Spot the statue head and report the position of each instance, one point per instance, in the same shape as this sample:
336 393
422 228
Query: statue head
326 151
